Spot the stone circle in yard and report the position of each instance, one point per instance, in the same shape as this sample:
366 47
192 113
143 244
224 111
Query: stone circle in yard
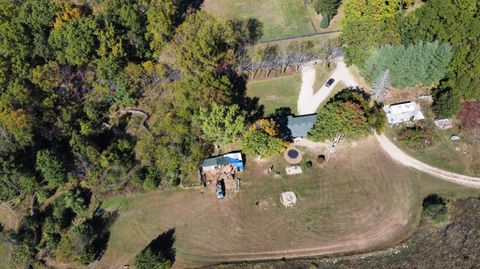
292 155
288 198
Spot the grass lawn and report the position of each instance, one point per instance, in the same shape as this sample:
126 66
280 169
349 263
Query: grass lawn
5 256
283 91
360 201
276 92
280 18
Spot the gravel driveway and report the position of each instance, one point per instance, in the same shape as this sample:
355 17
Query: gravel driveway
308 100
398 155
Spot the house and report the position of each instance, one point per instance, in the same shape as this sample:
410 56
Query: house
215 163
299 126
403 112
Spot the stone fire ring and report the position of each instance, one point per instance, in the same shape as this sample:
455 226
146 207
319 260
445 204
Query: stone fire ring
292 155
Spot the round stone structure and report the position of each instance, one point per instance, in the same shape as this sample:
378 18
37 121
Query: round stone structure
292 155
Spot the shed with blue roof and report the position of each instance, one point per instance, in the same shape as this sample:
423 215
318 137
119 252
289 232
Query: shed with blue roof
216 163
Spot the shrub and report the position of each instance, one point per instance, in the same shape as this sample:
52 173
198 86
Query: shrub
446 103
152 179
325 22
149 260
470 116
416 137
321 159
434 209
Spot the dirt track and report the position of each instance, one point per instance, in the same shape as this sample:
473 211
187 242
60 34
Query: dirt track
398 155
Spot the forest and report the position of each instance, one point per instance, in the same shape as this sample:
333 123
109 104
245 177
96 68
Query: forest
105 97
122 96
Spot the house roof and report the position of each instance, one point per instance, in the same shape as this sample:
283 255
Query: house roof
403 107
403 112
300 126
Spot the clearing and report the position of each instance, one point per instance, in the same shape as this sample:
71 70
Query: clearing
279 18
283 91
361 201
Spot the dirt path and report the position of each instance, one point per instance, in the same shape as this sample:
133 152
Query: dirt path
398 155
308 100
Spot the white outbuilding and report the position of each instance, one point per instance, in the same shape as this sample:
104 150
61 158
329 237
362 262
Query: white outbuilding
403 112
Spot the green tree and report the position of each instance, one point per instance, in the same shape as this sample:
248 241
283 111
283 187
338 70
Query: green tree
74 41
366 26
161 23
149 260
422 63
348 114
328 8
262 139
447 102
51 168
202 43
454 22
325 21
222 124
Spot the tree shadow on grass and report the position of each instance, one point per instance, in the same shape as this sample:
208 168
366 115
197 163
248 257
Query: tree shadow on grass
163 245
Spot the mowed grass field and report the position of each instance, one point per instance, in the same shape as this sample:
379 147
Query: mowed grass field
276 92
281 92
361 201
279 18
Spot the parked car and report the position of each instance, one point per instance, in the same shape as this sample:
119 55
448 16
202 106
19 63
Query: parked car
330 82
220 190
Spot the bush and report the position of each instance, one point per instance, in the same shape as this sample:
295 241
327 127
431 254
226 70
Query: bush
321 159
325 22
446 103
416 137
149 260
152 179
434 209
470 116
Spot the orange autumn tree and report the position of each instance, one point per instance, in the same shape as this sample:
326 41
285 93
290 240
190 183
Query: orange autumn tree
262 139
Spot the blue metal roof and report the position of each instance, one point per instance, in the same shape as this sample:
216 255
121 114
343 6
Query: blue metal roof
300 126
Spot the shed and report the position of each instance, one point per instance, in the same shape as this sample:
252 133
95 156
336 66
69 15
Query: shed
214 163
299 126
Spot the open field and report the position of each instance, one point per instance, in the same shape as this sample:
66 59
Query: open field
283 91
361 201
279 18
432 246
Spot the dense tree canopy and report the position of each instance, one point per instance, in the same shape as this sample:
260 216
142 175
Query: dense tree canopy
368 25
104 97
348 114
422 63
263 139
454 22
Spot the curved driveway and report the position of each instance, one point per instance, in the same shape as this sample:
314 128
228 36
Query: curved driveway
308 100
308 103
398 155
